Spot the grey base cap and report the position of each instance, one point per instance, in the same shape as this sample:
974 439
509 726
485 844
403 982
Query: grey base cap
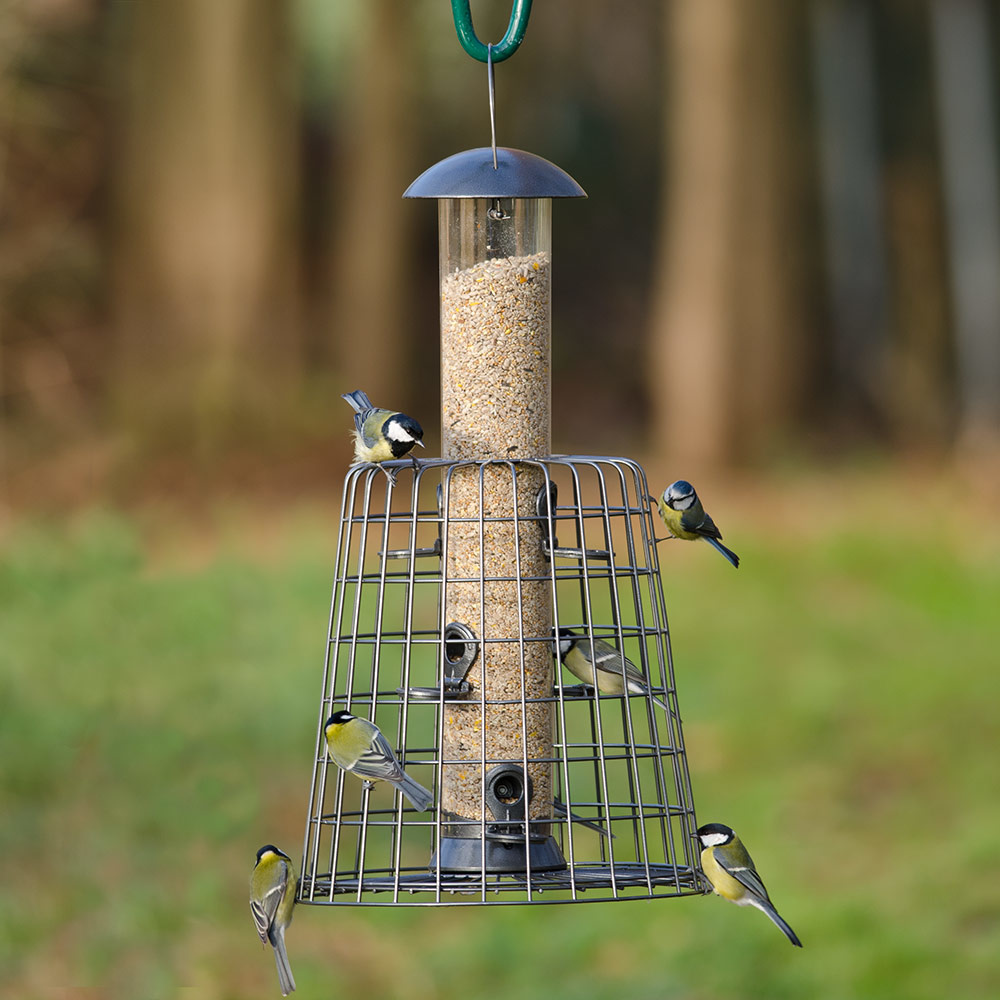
517 175
465 854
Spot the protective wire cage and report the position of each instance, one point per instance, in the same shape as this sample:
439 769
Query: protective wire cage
450 593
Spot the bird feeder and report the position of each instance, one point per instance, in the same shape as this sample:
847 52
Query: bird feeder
449 588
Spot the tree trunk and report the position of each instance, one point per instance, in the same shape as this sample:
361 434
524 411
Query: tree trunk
205 246
692 379
770 353
967 116
371 227
920 390
724 374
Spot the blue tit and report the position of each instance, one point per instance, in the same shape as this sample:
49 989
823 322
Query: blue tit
613 672
685 518
272 899
358 746
380 435
729 867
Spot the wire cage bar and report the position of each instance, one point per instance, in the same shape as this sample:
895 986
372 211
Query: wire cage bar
588 795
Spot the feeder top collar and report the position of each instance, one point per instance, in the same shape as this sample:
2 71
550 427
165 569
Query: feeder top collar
471 174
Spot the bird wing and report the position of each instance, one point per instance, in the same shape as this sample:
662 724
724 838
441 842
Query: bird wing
706 526
263 909
740 865
369 425
378 760
633 674
608 659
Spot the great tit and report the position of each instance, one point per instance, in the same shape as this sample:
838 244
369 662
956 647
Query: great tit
272 899
685 518
573 650
380 435
358 746
729 867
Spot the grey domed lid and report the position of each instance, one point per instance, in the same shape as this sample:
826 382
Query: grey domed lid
518 174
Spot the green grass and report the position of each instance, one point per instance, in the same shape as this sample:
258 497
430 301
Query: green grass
839 694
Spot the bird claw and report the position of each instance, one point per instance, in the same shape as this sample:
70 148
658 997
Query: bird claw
391 476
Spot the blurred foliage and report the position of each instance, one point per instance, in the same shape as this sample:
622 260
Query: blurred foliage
159 683
202 241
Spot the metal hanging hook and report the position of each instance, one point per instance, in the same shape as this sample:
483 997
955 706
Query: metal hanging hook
507 45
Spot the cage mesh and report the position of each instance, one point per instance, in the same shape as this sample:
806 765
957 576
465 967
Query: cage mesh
604 810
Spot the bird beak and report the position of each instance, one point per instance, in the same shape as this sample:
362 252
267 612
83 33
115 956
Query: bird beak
421 443
694 836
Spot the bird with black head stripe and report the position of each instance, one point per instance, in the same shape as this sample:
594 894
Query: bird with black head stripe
381 435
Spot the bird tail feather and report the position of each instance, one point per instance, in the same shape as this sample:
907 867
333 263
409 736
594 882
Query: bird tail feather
728 553
419 797
640 688
560 811
285 978
358 399
782 925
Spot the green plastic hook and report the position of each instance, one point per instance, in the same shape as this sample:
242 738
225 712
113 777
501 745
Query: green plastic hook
507 45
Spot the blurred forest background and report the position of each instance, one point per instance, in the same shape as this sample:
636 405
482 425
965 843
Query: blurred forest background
791 247
785 286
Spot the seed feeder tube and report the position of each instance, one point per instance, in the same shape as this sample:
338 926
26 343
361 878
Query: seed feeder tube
495 244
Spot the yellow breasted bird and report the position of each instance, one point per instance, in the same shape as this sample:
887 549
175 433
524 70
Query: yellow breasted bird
610 672
272 899
685 518
358 746
380 435
728 866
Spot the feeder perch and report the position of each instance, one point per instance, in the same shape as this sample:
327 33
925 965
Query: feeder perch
448 589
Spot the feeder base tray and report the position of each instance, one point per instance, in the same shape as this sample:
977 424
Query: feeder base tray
621 881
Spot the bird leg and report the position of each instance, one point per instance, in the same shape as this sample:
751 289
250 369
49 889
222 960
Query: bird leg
391 476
